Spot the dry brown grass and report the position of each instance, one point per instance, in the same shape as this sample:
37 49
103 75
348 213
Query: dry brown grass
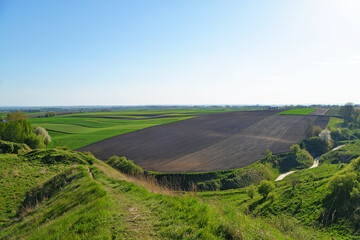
149 182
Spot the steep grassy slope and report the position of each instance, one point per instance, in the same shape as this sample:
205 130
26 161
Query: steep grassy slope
74 195
343 155
306 197
20 173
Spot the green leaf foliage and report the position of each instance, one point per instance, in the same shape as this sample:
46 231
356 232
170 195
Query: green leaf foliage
125 166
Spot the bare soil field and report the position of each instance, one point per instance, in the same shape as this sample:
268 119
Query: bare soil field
217 141
319 112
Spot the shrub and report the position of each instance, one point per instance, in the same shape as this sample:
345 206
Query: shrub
57 155
295 149
210 185
325 136
35 141
10 147
50 114
312 129
342 184
15 116
44 134
18 129
294 181
268 154
315 146
271 197
265 188
251 191
124 165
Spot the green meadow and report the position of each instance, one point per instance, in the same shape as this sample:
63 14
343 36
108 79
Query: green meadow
298 111
76 132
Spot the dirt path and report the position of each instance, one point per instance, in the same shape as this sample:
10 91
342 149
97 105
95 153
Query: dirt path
134 220
315 164
281 176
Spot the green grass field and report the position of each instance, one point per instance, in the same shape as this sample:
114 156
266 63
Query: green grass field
76 132
334 122
299 111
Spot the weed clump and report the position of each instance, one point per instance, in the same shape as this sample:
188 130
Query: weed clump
15 148
56 155
125 166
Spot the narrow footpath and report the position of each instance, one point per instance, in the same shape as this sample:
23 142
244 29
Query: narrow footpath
315 164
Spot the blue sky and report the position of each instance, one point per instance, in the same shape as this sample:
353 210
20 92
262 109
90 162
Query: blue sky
179 52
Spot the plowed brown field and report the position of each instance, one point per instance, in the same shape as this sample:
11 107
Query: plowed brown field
209 142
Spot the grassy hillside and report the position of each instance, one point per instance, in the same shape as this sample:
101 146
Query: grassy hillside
56 192
343 155
304 197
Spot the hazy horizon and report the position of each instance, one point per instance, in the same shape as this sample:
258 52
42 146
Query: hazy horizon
133 53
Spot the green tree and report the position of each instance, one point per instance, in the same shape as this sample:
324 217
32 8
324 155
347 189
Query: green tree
16 116
18 129
265 188
315 146
312 129
268 154
343 184
346 112
251 191
295 149
294 181
356 116
50 114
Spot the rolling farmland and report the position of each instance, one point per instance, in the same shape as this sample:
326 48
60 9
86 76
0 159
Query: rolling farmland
79 131
209 142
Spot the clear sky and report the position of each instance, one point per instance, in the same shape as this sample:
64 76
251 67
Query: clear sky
133 52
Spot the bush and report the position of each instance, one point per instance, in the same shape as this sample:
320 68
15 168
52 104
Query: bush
295 149
10 147
271 197
265 188
35 141
50 114
57 155
44 134
251 191
342 185
15 116
268 154
125 166
210 185
315 146
18 129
